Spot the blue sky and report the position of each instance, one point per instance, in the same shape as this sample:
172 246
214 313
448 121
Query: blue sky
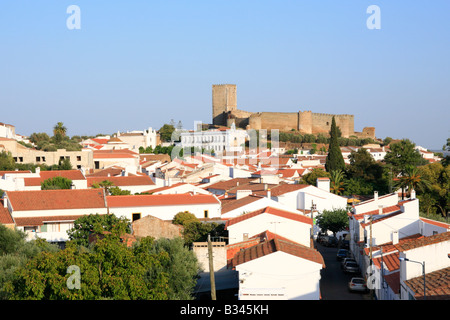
138 64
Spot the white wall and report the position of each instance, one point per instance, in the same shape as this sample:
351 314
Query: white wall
279 272
296 231
169 211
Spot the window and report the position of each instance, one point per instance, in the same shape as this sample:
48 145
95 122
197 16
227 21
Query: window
205 213
97 164
78 158
136 216
38 159
43 159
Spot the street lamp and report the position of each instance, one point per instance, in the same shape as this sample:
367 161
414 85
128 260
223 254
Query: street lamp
423 272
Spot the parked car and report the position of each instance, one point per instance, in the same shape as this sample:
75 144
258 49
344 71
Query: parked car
345 244
342 254
331 242
351 267
357 284
322 239
345 260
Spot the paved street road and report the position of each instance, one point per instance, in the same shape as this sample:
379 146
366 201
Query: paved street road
333 284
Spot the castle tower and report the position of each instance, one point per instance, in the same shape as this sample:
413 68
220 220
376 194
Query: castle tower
223 100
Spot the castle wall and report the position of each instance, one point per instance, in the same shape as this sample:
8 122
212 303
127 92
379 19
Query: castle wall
284 121
321 123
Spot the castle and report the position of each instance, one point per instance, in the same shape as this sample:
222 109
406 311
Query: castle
225 112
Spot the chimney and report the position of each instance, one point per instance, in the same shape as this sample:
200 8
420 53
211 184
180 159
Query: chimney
413 194
269 196
323 184
5 200
375 196
394 237
38 170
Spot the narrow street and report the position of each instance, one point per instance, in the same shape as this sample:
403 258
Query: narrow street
334 282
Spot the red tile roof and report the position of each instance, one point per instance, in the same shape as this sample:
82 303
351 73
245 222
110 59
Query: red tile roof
424 241
5 217
121 181
270 210
160 200
231 203
44 175
274 245
393 281
56 199
437 284
39 221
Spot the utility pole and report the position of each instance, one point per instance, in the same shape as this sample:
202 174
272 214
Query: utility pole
313 207
211 269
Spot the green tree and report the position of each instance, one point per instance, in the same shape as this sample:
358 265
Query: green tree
56 183
403 154
7 162
333 220
59 132
337 181
109 270
96 223
15 252
181 267
105 185
311 177
334 160
411 179
166 131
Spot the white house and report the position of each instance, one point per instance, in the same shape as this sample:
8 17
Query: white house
429 255
217 140
49 214
302 197
278 270
164 206
293 226
244 202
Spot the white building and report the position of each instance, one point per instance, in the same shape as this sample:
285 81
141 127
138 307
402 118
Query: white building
217 140
278 269
164 206
292 226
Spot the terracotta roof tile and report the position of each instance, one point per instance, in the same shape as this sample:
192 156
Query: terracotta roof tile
56 199
424 241
44 175
437 285
39 221
5 217
121 181
160 200
274 245
270 210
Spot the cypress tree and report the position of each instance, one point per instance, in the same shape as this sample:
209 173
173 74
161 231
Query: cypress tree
335 160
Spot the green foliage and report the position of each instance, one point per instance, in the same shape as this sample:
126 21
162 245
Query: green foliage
15 252
334 160
436 196
166 131
365 174
403 154
333 220
196 231
56 183
109 270
181 267
116 191
337 181
96 223
7 162
311 177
